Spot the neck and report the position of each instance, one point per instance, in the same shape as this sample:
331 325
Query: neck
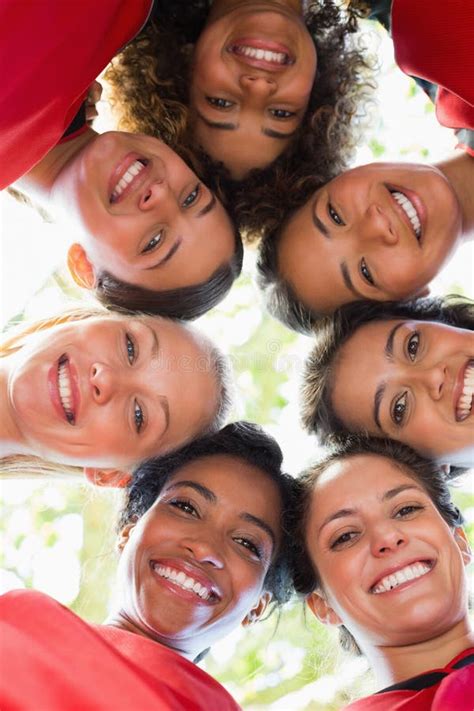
39 181
395 664
222 7
122 621
11 438
460 173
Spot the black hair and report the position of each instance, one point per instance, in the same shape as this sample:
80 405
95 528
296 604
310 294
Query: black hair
242 440
425 472
187 302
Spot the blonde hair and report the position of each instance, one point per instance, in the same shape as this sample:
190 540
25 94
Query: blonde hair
29 466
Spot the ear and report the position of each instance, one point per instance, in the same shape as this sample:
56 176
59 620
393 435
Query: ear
124 535
80 267
421 293
258 610
107 477
321 609
463 544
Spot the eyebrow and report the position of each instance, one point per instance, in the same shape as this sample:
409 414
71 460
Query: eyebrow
387 496
348 281
207 208
379 393
155 351
229 126
260 523
167 256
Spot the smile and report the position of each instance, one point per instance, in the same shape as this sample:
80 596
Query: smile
127 178
409 210
464 403
279 58
65 390
185 582
404 575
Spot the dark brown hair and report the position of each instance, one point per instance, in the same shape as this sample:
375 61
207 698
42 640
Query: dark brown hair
425 472
317 412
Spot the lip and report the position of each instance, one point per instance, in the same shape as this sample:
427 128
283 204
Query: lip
53 387
458 388
395 568
192 571
418 205
265 44
120 170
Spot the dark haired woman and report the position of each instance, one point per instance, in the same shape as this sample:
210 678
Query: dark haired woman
379 232
400 370
138 214
273 89
203 549
383 556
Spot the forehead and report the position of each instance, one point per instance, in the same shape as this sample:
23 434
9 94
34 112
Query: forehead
232 478
348 483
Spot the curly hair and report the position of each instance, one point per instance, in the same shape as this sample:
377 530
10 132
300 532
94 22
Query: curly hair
317 413
244 441
425 472
150 84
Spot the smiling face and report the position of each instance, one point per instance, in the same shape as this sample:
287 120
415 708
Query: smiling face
381 231
254 68
109 392
412 381
142 213
194 565
391 568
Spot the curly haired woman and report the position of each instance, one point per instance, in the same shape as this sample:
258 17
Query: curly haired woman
283 79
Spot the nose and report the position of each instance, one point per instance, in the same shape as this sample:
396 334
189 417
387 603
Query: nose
205 549
157 194
258 85
376 226
387 538
433 379
102 380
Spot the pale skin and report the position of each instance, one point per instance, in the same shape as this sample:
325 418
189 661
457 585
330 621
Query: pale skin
369 519
134 209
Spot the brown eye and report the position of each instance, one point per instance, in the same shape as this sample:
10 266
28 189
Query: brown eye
365 272
399 409
334 215
413 345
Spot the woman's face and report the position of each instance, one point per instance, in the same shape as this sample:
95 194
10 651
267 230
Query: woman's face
193 566
381 231
391 568
409 380
109 392
254 68
142 214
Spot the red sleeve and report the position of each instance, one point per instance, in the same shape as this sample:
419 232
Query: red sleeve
434 41
50 52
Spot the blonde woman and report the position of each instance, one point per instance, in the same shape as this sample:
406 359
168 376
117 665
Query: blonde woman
104 391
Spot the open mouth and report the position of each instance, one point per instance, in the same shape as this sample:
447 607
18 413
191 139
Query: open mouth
127 178
65 389
404 575
410 211
464 403
266 55
186 582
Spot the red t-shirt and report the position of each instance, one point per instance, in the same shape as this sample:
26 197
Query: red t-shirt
51 660
447 689
50 53
434 40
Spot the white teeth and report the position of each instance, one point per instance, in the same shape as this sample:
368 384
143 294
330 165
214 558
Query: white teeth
410 211
410 572
65 390
127 178
182 580
464 405
265 54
